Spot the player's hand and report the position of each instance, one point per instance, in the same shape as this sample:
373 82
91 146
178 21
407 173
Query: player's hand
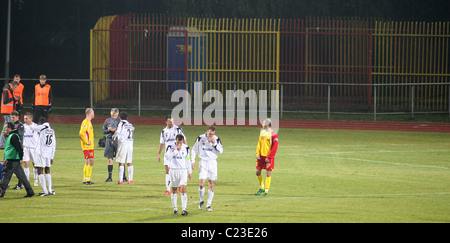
190 176
212 140
193 165
267 160
258 157
89 143
51 162
158 158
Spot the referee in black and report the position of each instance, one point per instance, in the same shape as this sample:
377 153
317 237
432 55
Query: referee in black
109 128
13 156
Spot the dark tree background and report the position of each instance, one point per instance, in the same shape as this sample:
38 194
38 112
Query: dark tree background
52 36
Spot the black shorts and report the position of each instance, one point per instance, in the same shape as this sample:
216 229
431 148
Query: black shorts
110 148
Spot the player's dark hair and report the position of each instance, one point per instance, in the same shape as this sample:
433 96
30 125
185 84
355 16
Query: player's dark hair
11 126
212 128
180 137
123 115
168 117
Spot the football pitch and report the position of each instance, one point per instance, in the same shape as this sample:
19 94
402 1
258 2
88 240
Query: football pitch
319 176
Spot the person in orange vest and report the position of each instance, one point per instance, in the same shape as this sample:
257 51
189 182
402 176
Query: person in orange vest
41 101
19 93
8 106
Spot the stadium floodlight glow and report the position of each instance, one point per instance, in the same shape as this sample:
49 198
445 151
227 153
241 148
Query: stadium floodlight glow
235 100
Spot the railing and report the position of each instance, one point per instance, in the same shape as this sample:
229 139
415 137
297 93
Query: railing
330 101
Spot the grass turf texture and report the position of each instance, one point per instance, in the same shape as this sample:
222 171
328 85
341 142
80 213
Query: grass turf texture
320 176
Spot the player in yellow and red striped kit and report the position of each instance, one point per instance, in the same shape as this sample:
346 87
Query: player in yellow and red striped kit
265 156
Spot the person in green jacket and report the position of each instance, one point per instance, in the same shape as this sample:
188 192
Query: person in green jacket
13 157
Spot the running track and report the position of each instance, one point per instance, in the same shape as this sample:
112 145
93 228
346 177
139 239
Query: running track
291 123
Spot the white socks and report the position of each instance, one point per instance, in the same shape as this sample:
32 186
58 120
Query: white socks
121 170
130 173
45 181
184 200
27 172
210 197
174 197
201 193
167 182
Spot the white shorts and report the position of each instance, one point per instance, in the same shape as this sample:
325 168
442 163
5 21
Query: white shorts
42 162
207 169
29 154
178 177
124 153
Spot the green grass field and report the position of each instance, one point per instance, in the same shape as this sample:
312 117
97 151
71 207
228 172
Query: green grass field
320 176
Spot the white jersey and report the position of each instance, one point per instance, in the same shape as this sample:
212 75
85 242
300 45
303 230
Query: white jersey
124 132
168 135
47 141
30 137
177 157
205 149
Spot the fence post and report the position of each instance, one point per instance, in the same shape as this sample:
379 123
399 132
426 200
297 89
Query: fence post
139 98
412 100
281 101
374 102
91 88
329 101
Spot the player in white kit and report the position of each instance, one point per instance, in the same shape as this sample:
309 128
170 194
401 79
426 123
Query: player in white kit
30 141
207 146
179 168
124 135
45 150
167 138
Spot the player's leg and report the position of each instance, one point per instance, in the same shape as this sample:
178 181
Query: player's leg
167 179
130 172
260 182
110 169
48 177
130 164
210 195
42 181
268 180
201 192
109 154
90 164
173 184
35 174
26 169
121 170
183 185
212 177
202 176
259 167
269 168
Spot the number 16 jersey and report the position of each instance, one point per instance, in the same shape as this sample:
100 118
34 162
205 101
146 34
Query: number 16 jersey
47 141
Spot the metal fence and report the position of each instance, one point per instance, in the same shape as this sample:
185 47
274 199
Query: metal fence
329 103
318 64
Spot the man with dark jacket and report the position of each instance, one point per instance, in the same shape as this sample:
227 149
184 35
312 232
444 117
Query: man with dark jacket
13 156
